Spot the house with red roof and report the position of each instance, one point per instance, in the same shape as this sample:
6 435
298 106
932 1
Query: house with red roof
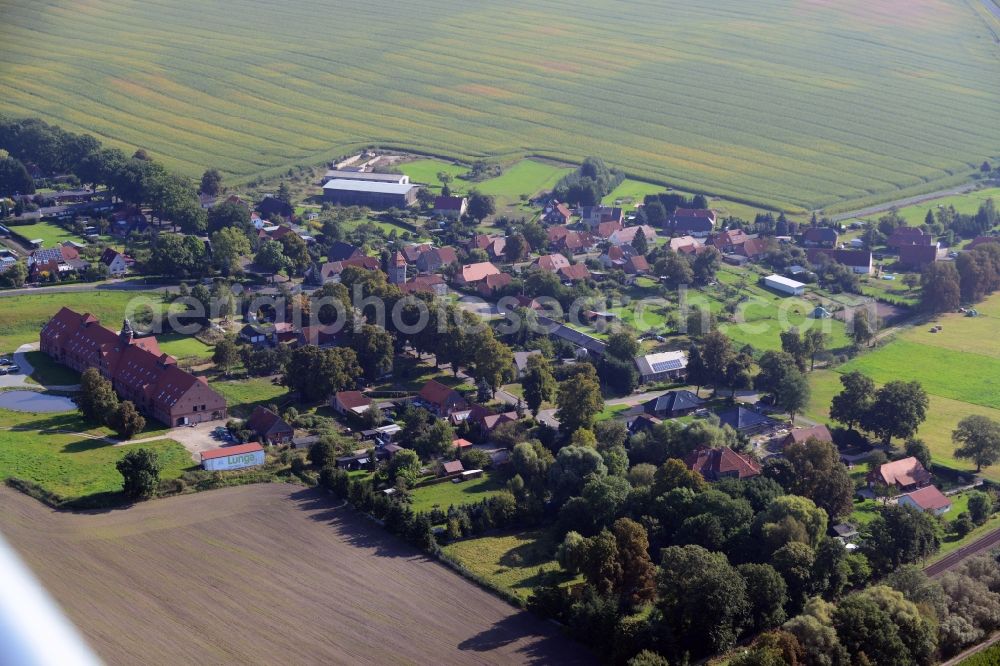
452 208
729 241
928 499
754 248
802 435
575 242
436 258
558 213
269 427
574 272
904 236
440 399
636 265
491 284
693 221
427 284
552 262
721 463
136 367
902 475
820 237
472 274
114 261
859 261
350 402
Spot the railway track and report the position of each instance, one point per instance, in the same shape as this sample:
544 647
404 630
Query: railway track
953 559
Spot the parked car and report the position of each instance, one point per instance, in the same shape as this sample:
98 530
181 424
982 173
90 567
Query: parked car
13 368
4 361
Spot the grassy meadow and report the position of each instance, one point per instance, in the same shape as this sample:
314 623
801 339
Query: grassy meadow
958 367
514 563
39 448
51 234
22 316
739 99
446 494
244 394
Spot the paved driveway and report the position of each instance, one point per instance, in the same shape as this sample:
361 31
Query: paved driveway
20 378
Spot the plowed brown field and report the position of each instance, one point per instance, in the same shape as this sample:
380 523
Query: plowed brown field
264 574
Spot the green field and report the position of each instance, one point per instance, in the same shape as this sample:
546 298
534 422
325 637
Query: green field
740 99
446 494
51 234
184 346
513 562
962 376
242 395
34 448
21 317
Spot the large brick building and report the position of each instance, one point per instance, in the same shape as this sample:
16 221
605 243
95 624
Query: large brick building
136 368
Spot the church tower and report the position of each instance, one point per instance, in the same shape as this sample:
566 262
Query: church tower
397 268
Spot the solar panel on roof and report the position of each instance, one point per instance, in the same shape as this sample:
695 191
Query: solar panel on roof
667 366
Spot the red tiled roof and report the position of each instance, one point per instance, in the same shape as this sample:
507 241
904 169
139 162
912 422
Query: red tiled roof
636 264
904 472
556 233
800 435
720 463
453 467
460 443
929 498
436 393
754 247
552 262
352 399
476 272
227 451
263 420
574 272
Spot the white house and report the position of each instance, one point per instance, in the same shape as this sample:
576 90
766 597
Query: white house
115 261
784 285
929 499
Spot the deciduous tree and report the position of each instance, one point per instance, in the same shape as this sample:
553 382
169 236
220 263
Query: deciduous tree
977 438
140 470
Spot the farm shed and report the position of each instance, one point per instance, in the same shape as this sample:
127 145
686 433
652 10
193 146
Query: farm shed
661 366
366 193
232 457
784 285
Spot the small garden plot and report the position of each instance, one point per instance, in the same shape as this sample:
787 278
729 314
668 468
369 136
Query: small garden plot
444 494
513 563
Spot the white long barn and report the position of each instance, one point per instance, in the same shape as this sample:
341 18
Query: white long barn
784 285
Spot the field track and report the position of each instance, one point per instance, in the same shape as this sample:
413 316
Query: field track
264 574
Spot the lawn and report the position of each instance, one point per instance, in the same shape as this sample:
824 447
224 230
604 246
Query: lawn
425 171
35 448
51 234
446 494
630 193
21 317
963 376
50 373
943 414
959 333
514 563
243 395
719 97
184 346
